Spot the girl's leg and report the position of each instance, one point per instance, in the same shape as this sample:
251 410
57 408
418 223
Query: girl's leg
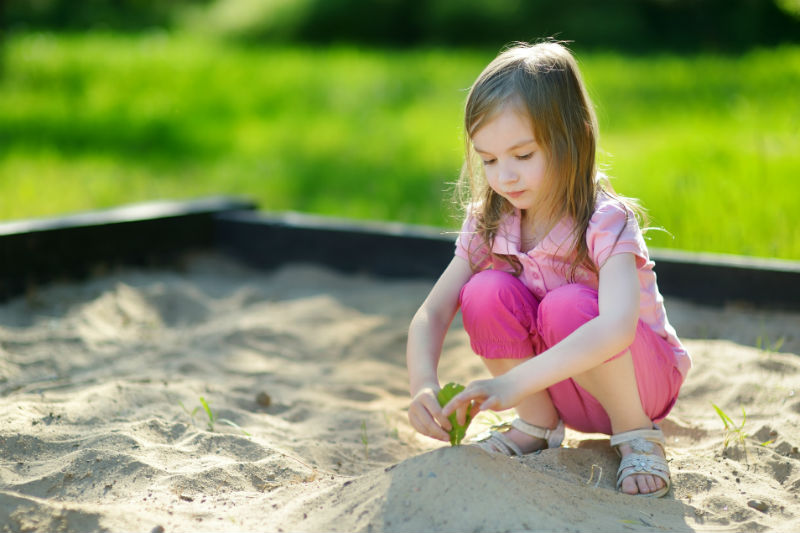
499 314
537 409
614 386
628 392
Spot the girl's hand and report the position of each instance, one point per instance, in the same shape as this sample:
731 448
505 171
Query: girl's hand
496 394
426 415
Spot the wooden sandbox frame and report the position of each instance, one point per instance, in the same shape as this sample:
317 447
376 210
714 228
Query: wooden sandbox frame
37 251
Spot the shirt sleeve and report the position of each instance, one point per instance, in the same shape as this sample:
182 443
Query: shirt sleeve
470 246
614 229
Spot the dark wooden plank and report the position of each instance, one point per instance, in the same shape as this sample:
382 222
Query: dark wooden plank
268 240
383 249
158 233
40 250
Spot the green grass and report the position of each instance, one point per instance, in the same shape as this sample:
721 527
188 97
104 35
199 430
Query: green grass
732 430
711 145
213 417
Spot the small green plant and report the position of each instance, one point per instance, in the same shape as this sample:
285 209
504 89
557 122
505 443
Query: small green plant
213 418
732 431
458 431
763 343
364 439
391 430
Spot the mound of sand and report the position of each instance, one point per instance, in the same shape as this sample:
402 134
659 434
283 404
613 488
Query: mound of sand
303 370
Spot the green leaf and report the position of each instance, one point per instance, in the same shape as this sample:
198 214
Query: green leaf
446 394
211 418
724 417
233 424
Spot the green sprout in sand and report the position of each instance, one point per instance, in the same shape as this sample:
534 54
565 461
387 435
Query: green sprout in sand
213 418
732 431
459 431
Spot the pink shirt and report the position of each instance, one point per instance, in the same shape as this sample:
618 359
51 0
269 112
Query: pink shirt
545 267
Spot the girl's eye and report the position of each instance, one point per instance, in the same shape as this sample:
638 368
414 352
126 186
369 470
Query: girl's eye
525 156
489 161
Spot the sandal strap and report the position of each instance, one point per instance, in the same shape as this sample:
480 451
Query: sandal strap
642 459
554 437
654 435
497 442
637 463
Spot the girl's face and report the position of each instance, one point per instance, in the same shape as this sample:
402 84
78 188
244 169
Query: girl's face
514 164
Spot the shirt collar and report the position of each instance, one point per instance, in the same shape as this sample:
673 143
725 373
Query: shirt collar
509 235
507 240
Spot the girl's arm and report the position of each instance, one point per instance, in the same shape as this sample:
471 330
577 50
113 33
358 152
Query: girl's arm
425 339
585 348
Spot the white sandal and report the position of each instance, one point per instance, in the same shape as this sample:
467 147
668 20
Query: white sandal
497 442
642 460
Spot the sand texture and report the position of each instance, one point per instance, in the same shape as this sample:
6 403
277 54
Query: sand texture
102 429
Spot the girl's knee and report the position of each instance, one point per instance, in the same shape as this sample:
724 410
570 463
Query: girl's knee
499 315
490 289
565 309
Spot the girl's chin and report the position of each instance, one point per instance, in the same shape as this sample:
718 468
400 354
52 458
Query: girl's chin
519 203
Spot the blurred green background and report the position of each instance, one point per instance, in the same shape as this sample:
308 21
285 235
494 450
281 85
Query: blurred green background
353 107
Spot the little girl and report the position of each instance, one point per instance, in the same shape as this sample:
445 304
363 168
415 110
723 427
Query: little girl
556 288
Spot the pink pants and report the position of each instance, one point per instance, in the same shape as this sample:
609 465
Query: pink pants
505 321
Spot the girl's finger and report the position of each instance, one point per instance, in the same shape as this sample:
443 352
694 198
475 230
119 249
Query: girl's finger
474 409
490 404
462 399
452 406
435 411
461 414
426 426
429 411
443 421
437 433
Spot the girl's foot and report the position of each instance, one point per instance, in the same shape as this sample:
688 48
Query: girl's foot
526 443
641 483
521 438
643 469
633 484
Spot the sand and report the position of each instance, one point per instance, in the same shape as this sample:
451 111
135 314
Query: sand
101 427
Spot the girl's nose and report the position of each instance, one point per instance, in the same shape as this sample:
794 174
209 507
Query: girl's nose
506 174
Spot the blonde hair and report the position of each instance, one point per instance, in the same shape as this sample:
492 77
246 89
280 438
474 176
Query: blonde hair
543 82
